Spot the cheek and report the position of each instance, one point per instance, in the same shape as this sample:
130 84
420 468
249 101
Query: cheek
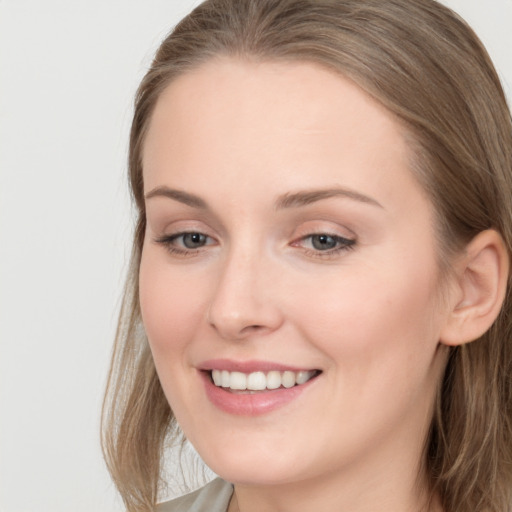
171 313
378 336
170 306
372 314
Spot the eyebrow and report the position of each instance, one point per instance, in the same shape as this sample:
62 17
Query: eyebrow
306 197
178 195
288 200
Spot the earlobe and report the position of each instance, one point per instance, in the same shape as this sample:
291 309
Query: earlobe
482 275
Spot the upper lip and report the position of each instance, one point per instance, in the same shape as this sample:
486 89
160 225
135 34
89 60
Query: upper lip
248 366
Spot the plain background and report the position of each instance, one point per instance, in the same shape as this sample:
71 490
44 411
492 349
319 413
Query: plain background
68 72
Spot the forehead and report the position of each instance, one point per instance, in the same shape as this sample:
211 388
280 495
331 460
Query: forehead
262 124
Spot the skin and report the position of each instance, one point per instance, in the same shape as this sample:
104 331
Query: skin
241 136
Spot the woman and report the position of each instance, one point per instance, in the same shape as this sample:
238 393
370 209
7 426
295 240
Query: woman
319 295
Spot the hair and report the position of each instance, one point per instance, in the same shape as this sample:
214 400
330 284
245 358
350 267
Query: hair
427 67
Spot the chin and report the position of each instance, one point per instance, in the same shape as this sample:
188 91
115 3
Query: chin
254 466
242 474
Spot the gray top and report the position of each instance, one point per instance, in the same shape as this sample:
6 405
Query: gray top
213 497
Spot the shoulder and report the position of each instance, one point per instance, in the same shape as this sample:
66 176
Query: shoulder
213 497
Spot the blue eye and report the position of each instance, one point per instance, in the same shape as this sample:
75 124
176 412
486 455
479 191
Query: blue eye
186 243
323 242
193 240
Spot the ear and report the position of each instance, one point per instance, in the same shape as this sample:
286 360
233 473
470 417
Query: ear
481 284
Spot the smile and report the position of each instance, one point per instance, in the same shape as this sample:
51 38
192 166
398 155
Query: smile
259 380
254 387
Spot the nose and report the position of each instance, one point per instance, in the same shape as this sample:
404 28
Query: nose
244 303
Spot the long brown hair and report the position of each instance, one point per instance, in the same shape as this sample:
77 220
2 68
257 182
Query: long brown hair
425 65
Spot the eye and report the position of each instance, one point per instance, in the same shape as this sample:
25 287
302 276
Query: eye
193 240
185 243
324 244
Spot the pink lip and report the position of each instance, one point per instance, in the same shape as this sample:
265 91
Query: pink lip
247 366
244 403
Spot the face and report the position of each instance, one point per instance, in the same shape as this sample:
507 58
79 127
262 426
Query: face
289 283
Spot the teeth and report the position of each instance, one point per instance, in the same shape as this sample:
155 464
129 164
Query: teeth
303 377
288 379
273 380
217 378
238 380
258 381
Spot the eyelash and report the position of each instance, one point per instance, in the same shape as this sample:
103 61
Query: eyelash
343 244
169 242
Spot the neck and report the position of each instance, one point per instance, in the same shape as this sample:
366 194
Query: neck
388 480
329 496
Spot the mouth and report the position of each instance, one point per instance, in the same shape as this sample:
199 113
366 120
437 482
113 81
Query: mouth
253 388
259 381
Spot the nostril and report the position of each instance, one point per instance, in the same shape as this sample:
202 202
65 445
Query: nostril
252 328
236 319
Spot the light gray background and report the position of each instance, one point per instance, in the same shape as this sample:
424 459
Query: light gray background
68 72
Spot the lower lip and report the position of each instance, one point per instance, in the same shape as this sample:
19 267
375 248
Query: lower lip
250 404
